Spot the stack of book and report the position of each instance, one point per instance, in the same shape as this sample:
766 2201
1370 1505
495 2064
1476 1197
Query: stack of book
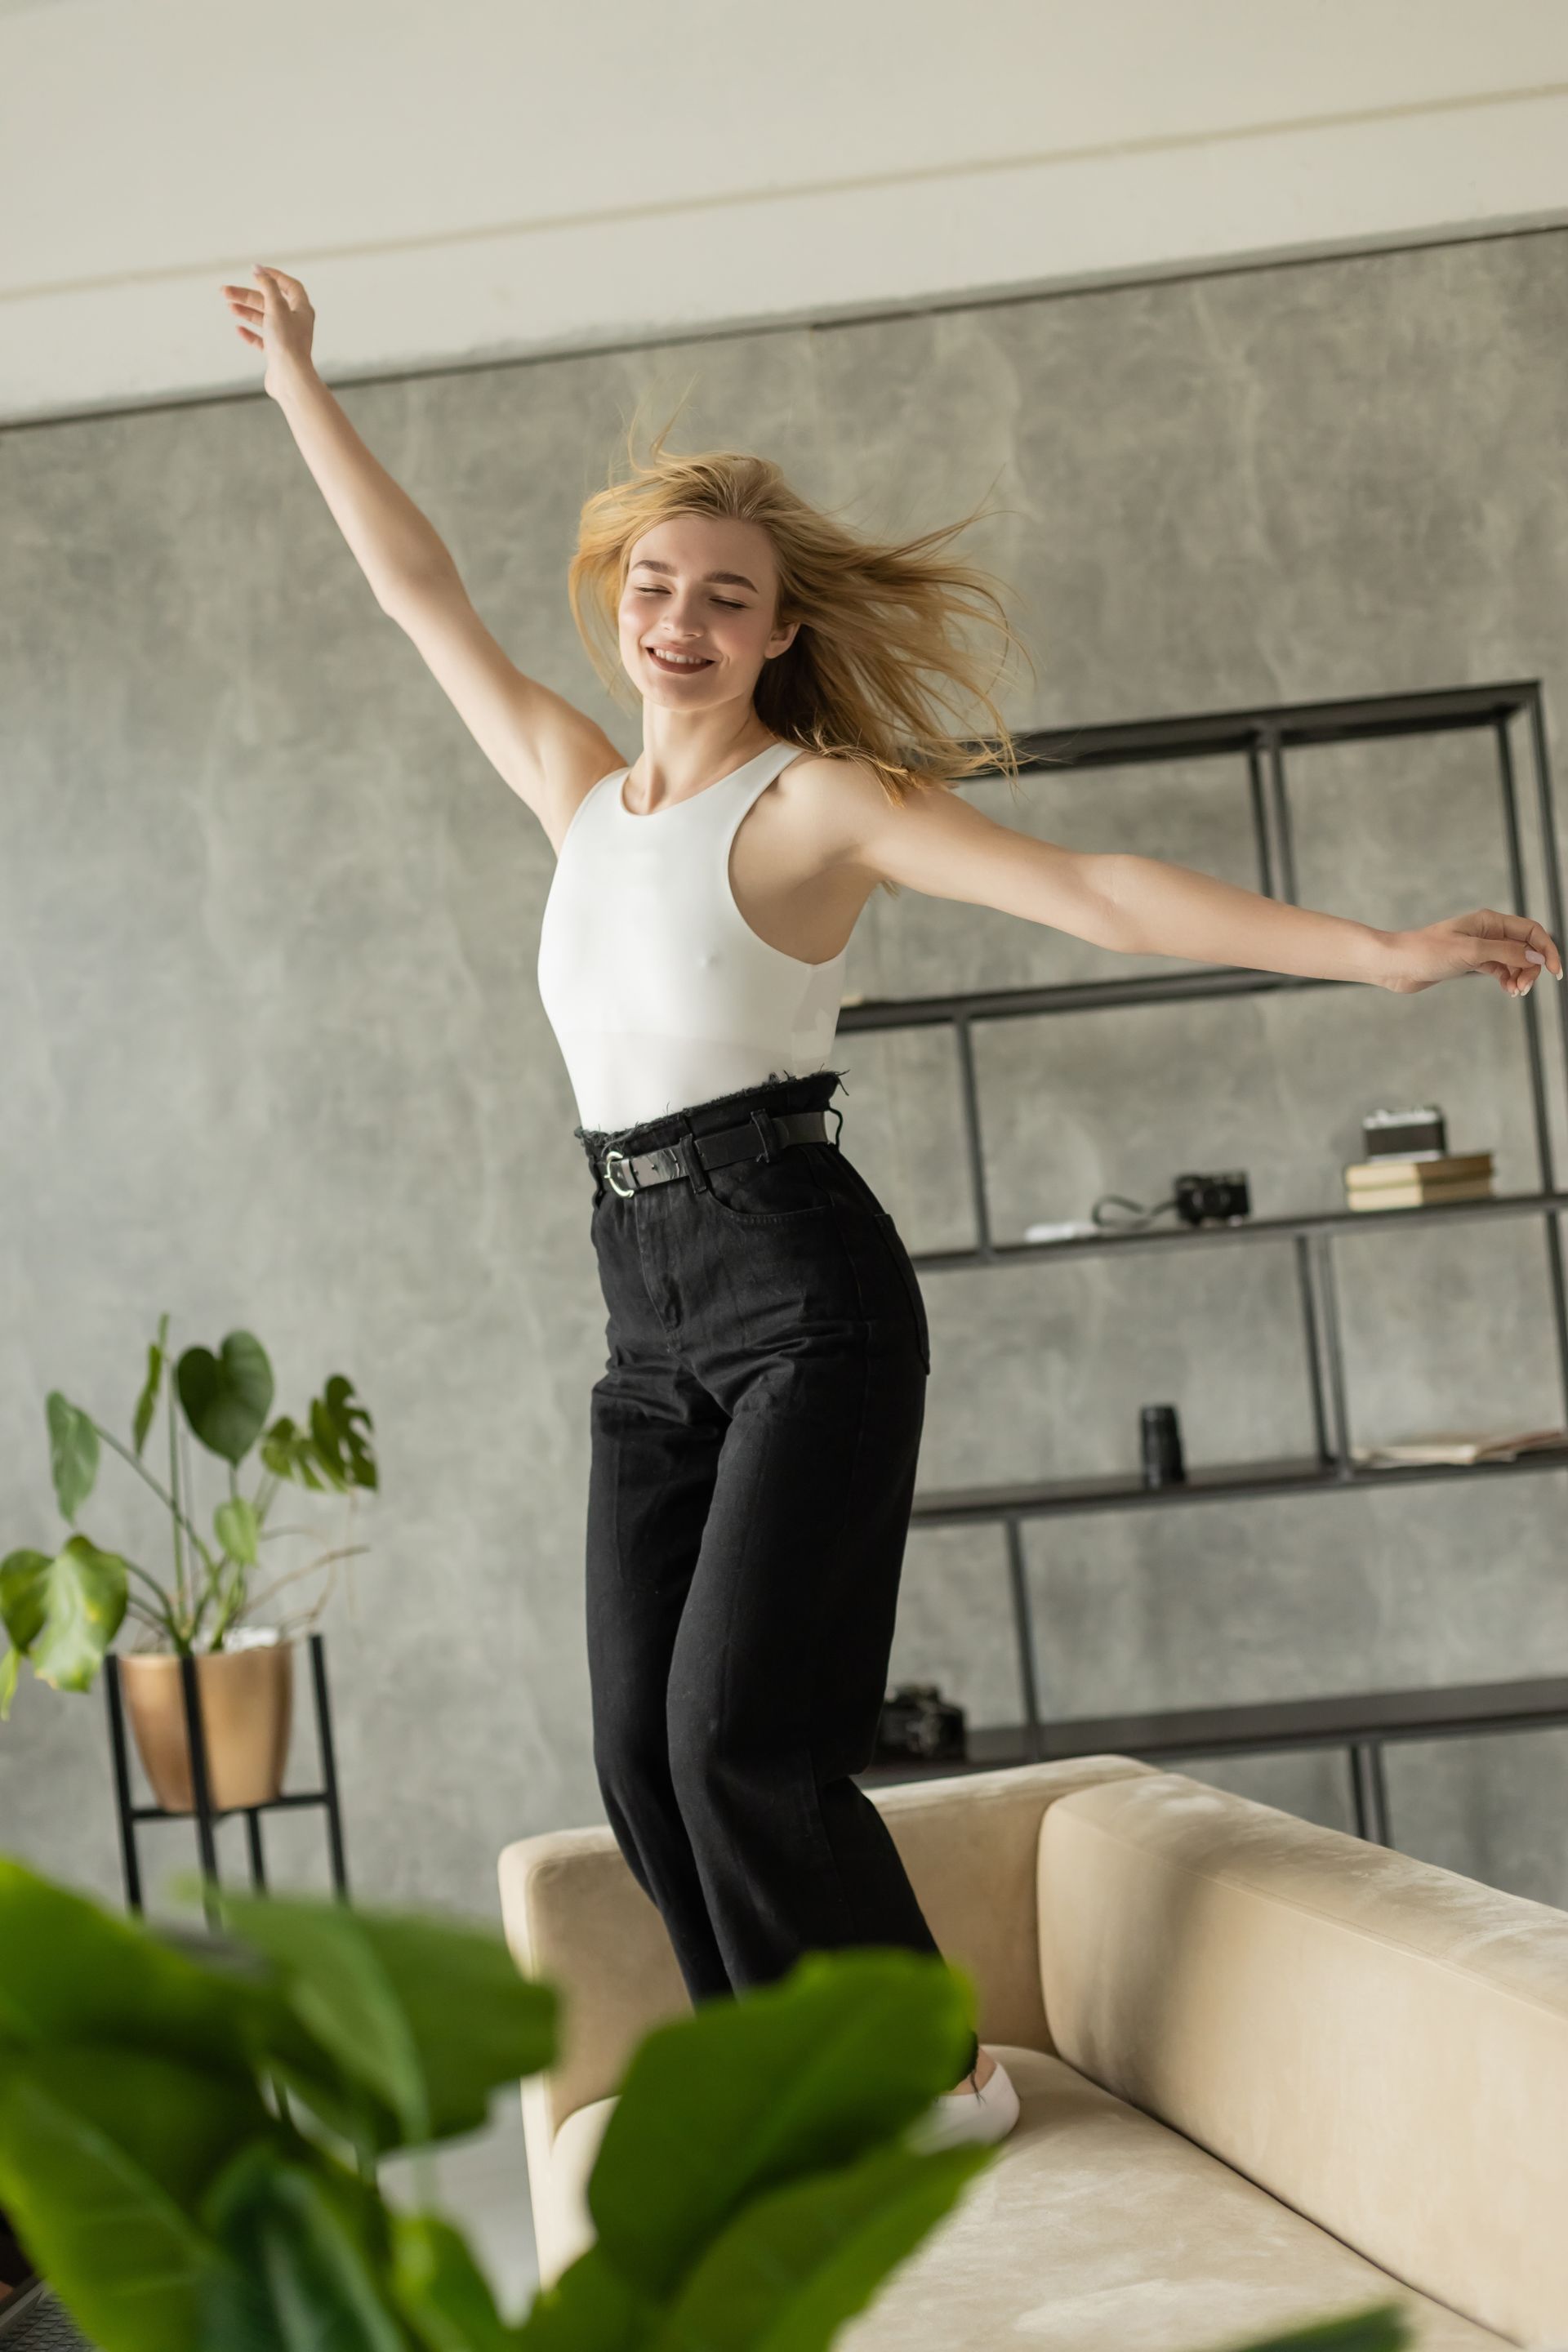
1415 1184
1500 1445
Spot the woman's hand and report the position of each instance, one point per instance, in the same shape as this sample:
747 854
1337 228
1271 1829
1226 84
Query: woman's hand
1510 947
276 317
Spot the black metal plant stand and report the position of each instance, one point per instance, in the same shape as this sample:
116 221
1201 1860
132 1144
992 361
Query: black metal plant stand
204 1814
1359 1723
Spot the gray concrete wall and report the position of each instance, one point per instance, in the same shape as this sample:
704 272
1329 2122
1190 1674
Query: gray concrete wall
275 1056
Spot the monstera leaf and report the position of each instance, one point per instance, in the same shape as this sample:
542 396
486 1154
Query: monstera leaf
226 1397
331 1453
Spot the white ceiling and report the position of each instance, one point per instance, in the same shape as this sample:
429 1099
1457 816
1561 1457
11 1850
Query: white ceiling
485 180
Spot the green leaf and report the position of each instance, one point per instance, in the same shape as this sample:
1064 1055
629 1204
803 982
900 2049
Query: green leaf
237 1527
147 1402
289 1452
227 1398
304 2275
793 2266
84 1592
10 1666
336 1986
590 2308
128 2265
1380 2327
22 1595
799 2077
429 2017
340 1448
72 1972
73 1452
177 2122
442 2290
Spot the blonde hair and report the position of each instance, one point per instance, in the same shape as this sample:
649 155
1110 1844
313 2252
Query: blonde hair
882 668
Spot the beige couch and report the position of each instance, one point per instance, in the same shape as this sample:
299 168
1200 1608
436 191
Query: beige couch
1268 2073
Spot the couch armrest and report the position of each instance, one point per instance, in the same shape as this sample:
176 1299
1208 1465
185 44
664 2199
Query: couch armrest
1377 2042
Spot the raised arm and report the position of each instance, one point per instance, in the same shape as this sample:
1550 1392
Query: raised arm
943 845
547 750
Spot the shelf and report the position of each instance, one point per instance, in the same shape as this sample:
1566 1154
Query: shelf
1461 1710
1246 1229
1201 982
1258 740
1207 1482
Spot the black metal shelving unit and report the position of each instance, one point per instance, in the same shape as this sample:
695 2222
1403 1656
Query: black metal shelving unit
1361 1723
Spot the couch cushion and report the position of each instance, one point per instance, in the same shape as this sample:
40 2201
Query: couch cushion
1095 2230
1381 2044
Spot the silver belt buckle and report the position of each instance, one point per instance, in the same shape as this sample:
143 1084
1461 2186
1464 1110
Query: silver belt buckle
626 1191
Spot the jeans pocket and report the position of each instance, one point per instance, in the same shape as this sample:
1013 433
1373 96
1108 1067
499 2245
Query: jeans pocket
769 1191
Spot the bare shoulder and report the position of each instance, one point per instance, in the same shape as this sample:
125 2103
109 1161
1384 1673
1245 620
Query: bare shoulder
856 821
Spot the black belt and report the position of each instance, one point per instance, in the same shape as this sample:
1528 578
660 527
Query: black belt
763 1135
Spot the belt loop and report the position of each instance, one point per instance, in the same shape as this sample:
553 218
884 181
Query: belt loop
762 1120
691 1158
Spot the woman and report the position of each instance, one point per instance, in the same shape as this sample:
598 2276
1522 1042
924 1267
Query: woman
755 1431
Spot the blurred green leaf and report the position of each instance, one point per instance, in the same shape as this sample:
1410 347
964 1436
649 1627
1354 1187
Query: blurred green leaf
339 1445
22 1596
10 1666
71 1972
79 1598
128 2265
303 2276
1380 2327
590 2308
73 1452
226 1397
289 1452
799 2077
147 1402
793 2266
177 2123
236 1529
430 2017
442 2291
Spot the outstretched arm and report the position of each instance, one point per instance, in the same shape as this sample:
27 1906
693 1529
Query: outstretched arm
547 750
941 844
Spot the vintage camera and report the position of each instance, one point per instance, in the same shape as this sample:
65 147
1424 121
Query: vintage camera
1419 1134
917 1721
1203 1200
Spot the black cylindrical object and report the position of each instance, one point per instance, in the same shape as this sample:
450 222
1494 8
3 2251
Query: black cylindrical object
1162 1443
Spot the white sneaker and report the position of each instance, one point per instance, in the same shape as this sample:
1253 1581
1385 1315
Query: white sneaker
959 2117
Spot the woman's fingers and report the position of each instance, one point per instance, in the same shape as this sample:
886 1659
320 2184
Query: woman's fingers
289 287
1513 948
1523 931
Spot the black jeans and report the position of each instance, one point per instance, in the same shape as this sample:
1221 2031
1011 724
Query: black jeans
754 1436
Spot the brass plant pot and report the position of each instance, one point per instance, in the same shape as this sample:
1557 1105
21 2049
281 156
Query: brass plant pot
247 1700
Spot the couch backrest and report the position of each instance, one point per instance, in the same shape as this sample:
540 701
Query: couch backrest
1380 2043
573 1913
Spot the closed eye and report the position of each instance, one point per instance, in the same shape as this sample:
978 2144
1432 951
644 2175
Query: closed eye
730 604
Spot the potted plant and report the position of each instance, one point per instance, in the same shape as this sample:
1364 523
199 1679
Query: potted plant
62 1611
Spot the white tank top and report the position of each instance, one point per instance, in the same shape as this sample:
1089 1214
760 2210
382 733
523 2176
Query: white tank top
660 991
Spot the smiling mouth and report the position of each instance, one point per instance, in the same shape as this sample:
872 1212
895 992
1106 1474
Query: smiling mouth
678 665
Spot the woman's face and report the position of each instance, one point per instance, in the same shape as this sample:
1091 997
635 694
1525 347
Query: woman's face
697 613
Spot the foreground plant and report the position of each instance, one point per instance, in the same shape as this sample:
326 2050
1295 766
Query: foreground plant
62 1609
189 2127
